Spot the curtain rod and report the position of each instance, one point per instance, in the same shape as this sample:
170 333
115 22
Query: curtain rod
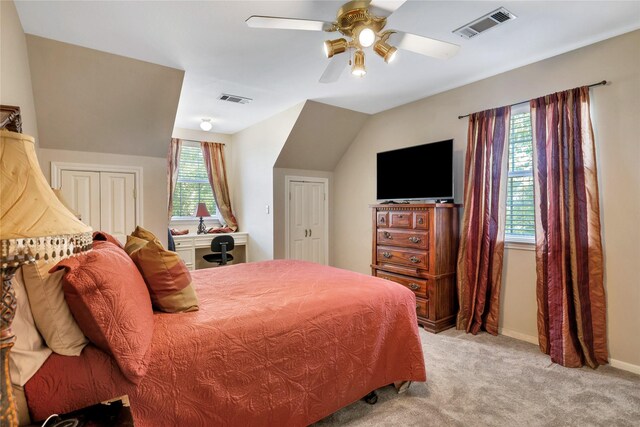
602 83
193 140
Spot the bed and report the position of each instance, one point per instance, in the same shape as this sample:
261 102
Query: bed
274 343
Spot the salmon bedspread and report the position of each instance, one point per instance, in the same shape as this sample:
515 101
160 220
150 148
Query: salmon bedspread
277 343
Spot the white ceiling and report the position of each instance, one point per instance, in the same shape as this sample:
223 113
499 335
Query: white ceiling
280 68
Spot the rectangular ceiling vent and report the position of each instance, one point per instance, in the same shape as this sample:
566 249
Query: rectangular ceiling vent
484 23
235 99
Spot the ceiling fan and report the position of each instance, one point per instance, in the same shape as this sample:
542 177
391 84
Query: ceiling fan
363 23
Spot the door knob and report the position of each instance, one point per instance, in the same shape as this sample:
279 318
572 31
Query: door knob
305 232
310 232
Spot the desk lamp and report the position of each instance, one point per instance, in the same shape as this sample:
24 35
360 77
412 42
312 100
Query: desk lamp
202 211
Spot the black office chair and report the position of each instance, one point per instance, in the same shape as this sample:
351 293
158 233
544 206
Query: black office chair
220 245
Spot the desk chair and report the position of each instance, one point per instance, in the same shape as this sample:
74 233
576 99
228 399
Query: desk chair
220 245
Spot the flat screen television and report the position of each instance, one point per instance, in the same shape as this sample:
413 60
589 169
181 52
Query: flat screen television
422 172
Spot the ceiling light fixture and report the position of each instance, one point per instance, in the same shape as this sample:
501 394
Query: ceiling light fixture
358 69
385 50
333 47
366 37
206 125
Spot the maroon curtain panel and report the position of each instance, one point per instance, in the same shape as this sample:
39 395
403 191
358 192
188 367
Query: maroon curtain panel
173 159
213 154
479 265
569 264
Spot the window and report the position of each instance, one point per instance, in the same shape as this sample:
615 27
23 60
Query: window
192 185
521 222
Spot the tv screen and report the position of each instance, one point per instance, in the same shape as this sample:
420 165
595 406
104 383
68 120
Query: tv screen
416 173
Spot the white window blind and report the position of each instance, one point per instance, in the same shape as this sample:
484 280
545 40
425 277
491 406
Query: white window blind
520 206
192 186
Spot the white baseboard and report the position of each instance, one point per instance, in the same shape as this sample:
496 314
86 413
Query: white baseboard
518 335
624 366
534 340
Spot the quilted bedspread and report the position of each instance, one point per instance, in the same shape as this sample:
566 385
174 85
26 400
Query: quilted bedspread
277 343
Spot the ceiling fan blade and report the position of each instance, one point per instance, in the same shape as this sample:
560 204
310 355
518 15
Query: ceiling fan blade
424 45
274 22
385 7
336 66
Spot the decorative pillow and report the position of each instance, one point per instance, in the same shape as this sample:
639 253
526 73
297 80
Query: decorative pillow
29 351
167 277
103 236
50 311
143 234
111 304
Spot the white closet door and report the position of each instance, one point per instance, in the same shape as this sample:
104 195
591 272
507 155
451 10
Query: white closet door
315 221
297 222
117 200
81 189
307 240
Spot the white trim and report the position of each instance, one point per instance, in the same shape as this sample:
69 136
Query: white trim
518 335
521 246
137 171
287 181
625 366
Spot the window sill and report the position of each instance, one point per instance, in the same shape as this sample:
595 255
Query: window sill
520 243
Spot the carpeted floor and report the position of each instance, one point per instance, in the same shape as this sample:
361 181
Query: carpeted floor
499 381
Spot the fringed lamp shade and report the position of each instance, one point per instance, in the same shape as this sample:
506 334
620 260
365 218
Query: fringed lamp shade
58 193
33 221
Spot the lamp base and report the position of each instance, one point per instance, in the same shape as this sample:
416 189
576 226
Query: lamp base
201 227
8 414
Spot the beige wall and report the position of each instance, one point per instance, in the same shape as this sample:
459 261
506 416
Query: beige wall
15 76
615 112
254 152
279 200
154 174
88 100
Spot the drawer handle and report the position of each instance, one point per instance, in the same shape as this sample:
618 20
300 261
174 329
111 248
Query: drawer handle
386 254
400 216
382 220
414 239
420 220
387 235
417 307
414 286
414 260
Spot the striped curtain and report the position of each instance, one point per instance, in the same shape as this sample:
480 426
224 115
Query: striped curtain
213 154
569 265
482 238
173 159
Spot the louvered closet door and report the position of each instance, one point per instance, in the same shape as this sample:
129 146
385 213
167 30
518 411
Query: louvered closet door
105 200
306 221
81 189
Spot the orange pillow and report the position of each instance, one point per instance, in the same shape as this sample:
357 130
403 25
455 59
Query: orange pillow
109 300
167 277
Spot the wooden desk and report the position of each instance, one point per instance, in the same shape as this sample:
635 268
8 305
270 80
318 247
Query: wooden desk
188 244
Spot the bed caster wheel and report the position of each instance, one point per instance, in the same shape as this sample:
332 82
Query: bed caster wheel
371 398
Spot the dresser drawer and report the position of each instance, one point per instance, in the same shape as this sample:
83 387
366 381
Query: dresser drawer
417 259
421 220
407 239
382 219
400 219
422 308
418 286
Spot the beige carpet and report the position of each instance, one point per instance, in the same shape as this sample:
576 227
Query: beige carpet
499 381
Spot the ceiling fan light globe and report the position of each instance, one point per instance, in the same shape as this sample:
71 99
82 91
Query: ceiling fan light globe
366 37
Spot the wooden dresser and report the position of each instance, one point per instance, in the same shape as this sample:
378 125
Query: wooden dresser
416 245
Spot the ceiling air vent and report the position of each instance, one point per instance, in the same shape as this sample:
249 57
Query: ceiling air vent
235 99
484 23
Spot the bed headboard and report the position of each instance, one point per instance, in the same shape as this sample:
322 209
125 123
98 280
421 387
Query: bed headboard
10 118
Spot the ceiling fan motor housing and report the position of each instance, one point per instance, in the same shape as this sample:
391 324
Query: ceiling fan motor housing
354 16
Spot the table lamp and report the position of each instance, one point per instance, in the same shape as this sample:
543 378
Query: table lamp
34 225
202 211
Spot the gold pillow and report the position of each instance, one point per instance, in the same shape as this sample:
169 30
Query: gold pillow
50 310
143 234
165 274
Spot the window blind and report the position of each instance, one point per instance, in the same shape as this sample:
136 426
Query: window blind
192 185
520 204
